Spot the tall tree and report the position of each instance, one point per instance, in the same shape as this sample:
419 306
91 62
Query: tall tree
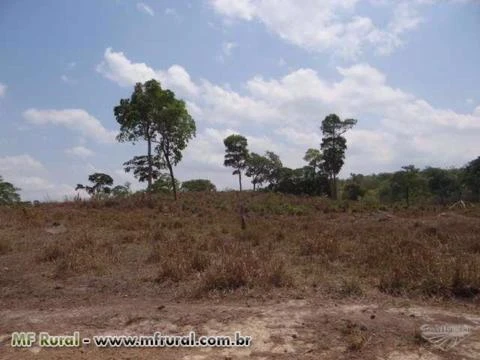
333 147
236 154
156 116
8 193
136 121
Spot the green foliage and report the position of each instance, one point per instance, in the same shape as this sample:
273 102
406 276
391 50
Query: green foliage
163 185
101 184
140 167
198 185
262 168
353 191
135 118
8 193
407 184
154 114
334 146
302 181
443 184
121 190
471 178
314 159
236 154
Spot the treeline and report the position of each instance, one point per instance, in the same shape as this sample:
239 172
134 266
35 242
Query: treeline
412 185
154 115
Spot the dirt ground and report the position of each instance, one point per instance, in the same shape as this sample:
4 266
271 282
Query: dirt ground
312 328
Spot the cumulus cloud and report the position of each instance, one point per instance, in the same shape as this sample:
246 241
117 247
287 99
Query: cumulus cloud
20 164
79 151
28 174
329 25
283 114
75 119
118 68
142 7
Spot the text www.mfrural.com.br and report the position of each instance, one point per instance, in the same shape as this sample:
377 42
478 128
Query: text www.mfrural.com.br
44 339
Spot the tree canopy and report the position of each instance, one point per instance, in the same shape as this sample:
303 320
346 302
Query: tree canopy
101 184
198 185
8 193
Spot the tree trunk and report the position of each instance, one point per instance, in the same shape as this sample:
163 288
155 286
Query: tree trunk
170 169
240 179
333 187
150 166
254 186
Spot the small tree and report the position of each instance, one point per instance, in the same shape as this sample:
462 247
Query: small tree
236 155
407 184
262 168
334 146
121 190
314 159
198 185
8 193
101 184
163 185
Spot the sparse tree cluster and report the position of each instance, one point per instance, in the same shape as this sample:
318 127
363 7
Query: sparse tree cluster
154 115
317 178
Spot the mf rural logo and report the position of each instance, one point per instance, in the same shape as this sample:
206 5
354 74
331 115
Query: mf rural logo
447 336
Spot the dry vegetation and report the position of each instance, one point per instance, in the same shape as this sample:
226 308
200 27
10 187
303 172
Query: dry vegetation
195 248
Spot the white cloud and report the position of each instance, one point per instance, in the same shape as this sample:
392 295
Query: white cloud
329 25
142 7
19 163
26 173
118 68
79 151
74 119
395 127
3 90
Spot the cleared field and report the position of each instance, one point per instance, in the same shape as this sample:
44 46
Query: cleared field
342 278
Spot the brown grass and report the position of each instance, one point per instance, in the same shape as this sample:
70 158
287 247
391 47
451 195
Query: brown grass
289 242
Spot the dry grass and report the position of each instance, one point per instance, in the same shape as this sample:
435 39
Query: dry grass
296 242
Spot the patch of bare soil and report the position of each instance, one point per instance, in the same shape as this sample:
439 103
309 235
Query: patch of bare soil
293 329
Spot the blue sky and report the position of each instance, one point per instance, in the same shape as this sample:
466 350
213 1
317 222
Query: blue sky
271 70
